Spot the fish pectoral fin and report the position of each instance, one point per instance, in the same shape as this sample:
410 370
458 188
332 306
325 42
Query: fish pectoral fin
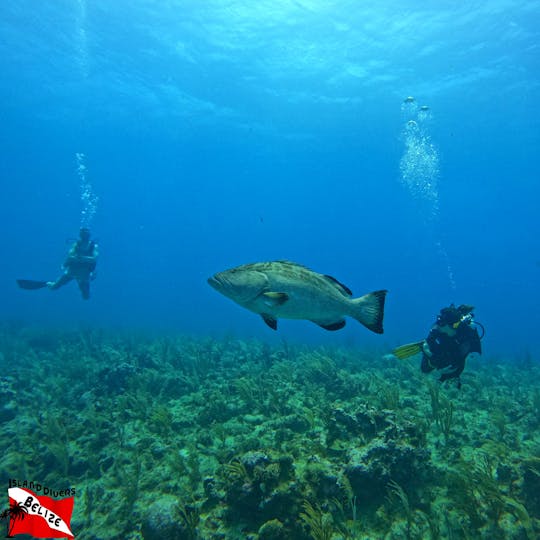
270 321
337 325
273 299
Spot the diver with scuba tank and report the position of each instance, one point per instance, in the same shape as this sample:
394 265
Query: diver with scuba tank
450 341
80 265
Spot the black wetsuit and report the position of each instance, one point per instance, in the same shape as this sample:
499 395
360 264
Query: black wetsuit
79 265
450 351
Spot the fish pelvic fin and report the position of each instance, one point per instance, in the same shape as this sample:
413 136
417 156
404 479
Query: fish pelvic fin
270 321
369 310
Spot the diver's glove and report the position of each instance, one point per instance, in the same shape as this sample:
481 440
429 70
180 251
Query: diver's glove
448 369
426 349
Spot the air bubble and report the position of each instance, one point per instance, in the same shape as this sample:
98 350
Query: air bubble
89 199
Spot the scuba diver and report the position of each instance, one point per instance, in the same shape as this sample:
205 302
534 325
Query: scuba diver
80 264
451 339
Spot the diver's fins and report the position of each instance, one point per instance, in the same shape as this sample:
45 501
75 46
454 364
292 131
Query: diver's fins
408 350
31 284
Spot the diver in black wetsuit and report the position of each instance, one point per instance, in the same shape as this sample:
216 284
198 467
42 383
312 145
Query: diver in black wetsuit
80 264
453 337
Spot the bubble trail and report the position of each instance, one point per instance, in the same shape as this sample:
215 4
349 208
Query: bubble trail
82 39
88 198
419 165
419 168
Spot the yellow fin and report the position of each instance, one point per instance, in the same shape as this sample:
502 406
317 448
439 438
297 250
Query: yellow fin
410 349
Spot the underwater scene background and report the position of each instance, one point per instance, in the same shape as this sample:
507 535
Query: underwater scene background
392 145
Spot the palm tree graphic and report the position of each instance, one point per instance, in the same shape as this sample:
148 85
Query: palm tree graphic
14 512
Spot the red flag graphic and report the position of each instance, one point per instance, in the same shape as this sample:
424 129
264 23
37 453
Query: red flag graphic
40 517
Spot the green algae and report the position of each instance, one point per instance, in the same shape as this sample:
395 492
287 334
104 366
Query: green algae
185 437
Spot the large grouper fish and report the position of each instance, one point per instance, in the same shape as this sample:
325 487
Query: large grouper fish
283 289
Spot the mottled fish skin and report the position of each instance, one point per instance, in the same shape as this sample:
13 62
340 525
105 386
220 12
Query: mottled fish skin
283 289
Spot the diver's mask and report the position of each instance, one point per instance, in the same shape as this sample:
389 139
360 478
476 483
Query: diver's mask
467 319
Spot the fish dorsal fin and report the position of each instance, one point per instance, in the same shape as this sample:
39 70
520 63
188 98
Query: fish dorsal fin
342 288
275 298
291 263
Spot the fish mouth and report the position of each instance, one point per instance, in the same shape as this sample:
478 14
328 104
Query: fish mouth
214 282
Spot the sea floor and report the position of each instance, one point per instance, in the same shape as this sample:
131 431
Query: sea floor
182 438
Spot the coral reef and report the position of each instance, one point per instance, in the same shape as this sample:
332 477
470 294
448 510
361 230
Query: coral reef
195 438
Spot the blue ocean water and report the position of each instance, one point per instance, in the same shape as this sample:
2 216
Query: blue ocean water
218 133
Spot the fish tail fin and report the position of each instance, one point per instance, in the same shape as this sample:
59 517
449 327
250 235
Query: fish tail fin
369 310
